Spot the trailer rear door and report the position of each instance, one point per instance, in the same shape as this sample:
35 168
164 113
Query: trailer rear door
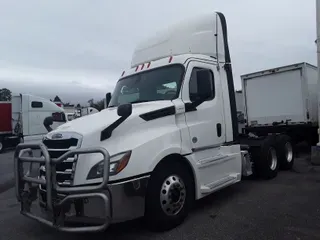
274 98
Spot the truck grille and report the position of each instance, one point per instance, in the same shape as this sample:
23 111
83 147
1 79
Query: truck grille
64 170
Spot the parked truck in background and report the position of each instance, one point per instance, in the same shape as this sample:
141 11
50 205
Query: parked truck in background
151 152
282 100
84 111
22 119
240 110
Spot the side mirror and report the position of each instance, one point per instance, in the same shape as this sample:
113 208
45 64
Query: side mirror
108 98
204 84
47 122
124 110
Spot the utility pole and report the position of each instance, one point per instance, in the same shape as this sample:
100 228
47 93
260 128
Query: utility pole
315 153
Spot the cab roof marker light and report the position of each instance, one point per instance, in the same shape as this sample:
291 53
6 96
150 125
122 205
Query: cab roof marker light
123 73
148 64
170 59
137 68
142 66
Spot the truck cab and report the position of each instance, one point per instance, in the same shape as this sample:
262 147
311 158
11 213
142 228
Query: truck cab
24 119
169 136
31 111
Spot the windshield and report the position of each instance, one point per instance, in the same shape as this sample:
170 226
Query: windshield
157 84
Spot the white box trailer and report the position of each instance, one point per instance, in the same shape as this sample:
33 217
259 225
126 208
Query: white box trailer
282 99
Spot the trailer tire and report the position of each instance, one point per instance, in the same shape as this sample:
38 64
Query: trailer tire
169 197
2 146
285 152
265 159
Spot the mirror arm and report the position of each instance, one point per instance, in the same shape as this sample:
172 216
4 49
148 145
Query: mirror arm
192 106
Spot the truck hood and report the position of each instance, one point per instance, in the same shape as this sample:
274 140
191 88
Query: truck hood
99 121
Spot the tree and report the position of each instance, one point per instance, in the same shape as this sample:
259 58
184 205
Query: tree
78 105
5 94
99 105
91 102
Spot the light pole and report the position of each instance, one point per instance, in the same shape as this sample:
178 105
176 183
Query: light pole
318 59
315 151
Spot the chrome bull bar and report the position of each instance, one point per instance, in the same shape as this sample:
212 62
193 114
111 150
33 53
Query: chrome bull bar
53 204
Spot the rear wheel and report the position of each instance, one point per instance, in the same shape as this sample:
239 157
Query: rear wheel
1 146
285 152
169 197
265 159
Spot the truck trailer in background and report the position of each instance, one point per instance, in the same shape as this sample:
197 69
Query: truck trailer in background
282 100
22 119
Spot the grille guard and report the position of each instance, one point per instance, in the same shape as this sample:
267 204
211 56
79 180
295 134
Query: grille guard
27 197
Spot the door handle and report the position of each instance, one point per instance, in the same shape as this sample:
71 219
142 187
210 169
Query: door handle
218 126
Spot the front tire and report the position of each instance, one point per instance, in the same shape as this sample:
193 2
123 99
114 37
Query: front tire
170 196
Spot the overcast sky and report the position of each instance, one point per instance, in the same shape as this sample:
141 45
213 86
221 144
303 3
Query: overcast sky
78 48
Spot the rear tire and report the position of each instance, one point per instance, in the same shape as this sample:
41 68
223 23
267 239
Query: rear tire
285 152
265 159
170 196
1 146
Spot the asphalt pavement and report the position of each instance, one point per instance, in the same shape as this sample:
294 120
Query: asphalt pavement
287 207
6 170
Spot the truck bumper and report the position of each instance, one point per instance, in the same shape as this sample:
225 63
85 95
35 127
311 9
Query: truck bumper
94 207
126 202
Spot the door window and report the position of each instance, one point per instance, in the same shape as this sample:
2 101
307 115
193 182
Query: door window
193 89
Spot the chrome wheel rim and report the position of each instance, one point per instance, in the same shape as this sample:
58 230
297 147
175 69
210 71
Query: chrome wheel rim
289 152
272 155
172 195
1 146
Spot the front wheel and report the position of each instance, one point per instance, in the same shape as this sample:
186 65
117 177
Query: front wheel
169 197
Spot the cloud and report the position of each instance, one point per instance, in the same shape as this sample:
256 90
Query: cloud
55 44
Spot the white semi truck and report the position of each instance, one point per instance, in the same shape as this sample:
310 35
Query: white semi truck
22 119
169 136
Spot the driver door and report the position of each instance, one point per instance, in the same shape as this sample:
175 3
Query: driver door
205 123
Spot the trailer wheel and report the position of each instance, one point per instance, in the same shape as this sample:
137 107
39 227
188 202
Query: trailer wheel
265 159
285 152
169 196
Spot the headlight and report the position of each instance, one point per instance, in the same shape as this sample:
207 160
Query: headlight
117 164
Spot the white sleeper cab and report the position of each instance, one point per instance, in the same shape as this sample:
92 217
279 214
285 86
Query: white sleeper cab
27 118
168 136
